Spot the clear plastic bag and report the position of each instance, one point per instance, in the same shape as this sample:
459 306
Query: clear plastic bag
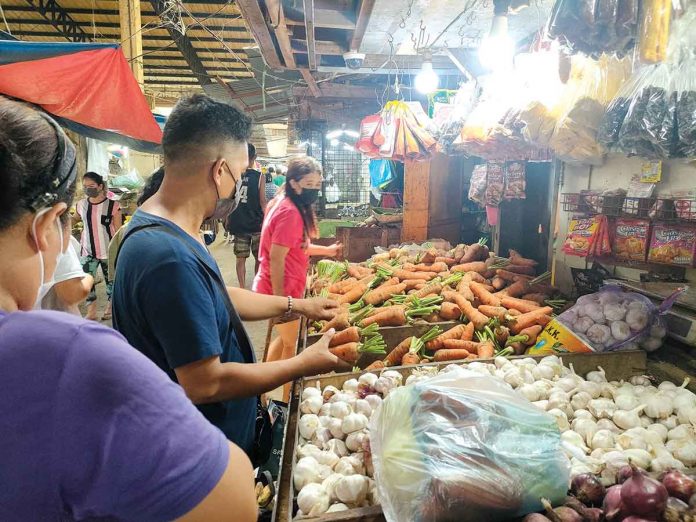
612 319
130 181
464 447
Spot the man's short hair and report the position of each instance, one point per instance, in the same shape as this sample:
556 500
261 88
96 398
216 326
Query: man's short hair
199 121
251 151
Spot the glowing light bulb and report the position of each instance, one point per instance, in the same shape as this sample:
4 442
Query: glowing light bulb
427 80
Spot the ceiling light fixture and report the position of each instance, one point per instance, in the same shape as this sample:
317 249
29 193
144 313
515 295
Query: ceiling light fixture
427 80
497 49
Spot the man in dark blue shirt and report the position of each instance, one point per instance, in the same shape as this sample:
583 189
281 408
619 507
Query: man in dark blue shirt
168 301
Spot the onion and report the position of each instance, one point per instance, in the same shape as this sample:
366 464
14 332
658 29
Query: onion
588 489
634 518
643 495
561 514
678 484
535 517
613 505
587 514
623 474
674 510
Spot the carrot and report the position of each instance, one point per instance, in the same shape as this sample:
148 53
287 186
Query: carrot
493 311
532 333
358 271
516 289
475 252
468 334
341 287
480 320
410 358
435 267
517 259
432 318
354 294
450 312
458 344
498 283
545 320
522 305
483 295
394 317
404 274
394 357
459 251
514 313
521 269
349 335
377 311
347 352
449 261
429 256
452 333
412 283
510 277
338 323
474 276
475 266
465 290
382 293
537 298
450 355
529 319
377 365
486 350
472 357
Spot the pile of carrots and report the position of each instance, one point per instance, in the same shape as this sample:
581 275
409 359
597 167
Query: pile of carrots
503 304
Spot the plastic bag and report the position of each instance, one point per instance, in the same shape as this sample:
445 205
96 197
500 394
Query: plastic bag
612 319
130 181
464 447
654 30
515 180
477 184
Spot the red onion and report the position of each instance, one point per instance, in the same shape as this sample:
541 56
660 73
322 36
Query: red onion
634 518
678 484
535 517
643 495
692 501
674 510
588 514
588 489
560 514
613 506
623 474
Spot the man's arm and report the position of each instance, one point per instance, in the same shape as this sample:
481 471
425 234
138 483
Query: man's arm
118 218
262 192
210 380
252 306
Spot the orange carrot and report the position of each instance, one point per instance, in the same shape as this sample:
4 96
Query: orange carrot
394 317
377 311
429 289
519 304
359 271
338 323
412 283
498 283
377 365
514 313
483 295
486 350
516 289
383 293
521 269
450 312
349 335
532 333
354 295
537 298
545 320
474 266
452 333
510 277
432 318
493 311
404 274
341 287
476 317
464 289
410 358
458 344
347 352
468 334
472 357
529 319
449 261
517 259
450 355
474 276
394 357
435 267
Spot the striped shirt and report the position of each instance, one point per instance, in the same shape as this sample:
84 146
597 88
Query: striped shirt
99 226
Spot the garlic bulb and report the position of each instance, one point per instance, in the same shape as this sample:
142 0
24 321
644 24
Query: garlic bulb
308 425
670 422
627 441
373 400
664 461
628 419
660 429
683 431
329 392
335 428
543 371
325 410
340 410
542 405
355 440
362 406
583 414
580 400
329 484
685 451
658 405
598 376
640 380
310 391
607 390
308 450
626 402
351 385
561 419
593 389
687 414
602 439
335 508
602 408
645 421
529 391
311 404
337 446
666 385
368 379
327 458
639 457
556 403
354 422
575 439
313 500
306 472
321 437
608 424
585 428
352 489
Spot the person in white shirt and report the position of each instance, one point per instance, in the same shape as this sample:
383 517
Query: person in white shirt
71 285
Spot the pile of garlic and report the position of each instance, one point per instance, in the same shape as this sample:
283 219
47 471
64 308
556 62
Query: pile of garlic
334 467
604 424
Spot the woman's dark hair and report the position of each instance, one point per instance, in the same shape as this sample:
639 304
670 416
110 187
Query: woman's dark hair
97 178
298 168
152 185
37 162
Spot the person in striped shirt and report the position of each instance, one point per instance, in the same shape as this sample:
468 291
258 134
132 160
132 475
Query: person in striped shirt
102 218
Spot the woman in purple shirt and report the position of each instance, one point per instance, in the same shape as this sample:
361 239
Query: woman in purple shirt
89 427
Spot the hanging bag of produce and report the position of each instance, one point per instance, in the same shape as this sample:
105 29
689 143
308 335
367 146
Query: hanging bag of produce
368 128
464 447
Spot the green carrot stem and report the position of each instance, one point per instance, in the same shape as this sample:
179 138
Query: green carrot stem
505 352
370 331
355 307
453 279
517 339
431 334
427 310
359 316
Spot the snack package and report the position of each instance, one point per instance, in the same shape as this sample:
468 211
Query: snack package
495 183
654 30
477 185
672 244
582 234
612 319
631 239
515 180
464 447
368 127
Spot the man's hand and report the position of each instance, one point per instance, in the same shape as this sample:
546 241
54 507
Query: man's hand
318 308
317 359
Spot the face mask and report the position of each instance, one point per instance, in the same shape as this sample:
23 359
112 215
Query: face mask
92 192
225 206
309 196
45 287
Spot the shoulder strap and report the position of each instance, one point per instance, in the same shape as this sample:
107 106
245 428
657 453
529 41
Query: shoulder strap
235 320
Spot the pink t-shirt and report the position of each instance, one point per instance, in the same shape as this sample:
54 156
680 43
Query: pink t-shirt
283 226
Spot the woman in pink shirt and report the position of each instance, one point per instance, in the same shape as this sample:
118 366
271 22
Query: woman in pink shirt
285 249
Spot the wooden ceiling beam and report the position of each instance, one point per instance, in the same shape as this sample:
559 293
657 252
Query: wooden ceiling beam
212 70
251 11
114 12
113 37
329 19
311 82
320 47
337 90
275 8
364 14
309 31
115 25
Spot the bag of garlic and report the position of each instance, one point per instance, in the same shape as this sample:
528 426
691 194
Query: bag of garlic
464 447
612 319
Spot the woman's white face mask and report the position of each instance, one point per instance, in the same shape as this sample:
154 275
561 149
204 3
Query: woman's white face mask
45 286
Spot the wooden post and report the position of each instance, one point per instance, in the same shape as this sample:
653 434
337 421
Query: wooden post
131 36
416 201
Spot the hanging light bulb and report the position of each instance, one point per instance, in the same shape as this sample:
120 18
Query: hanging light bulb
427 80
497 49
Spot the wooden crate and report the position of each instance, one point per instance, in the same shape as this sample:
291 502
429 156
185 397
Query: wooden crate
617 365
359 242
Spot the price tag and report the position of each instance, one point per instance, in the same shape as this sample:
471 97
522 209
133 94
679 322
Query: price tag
651 172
